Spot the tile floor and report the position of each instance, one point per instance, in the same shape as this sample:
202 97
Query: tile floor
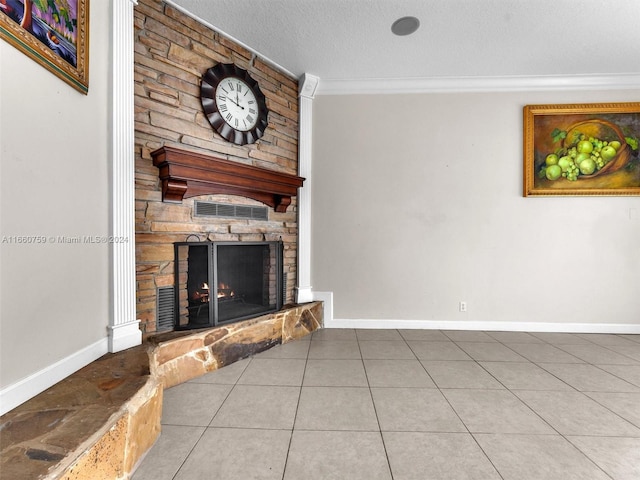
410 404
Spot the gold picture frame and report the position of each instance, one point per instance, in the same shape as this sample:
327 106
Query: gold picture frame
53 33
582 149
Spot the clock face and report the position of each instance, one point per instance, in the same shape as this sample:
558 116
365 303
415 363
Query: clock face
237 104
234 104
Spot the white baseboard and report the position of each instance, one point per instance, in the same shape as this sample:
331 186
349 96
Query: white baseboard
21 391
304 294
624 328
124 336
327 299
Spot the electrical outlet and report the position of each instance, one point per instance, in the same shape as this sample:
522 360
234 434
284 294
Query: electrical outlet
463 306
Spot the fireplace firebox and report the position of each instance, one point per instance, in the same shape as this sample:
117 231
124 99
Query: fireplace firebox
224 282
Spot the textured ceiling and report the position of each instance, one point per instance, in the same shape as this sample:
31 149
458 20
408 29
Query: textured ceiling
347 40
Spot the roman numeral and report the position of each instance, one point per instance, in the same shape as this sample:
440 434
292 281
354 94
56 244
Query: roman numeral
229 117
250 118
251 110
223 107
239 87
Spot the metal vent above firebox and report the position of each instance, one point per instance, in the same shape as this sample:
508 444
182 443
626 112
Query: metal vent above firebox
212 209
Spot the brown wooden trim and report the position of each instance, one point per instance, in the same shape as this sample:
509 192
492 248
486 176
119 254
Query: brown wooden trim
188 174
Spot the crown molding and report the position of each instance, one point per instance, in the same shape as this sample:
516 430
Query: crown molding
308 85
371 86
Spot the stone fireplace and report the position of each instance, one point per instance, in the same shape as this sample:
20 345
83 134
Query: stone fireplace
218 282
182 162
115 416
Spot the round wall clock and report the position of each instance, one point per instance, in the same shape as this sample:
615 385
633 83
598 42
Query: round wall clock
233 103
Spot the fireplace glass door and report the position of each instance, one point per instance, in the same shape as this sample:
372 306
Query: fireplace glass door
223 282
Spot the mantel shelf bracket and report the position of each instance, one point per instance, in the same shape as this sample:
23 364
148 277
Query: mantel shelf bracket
187 174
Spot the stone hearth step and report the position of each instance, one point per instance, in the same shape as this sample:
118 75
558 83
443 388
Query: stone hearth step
100 421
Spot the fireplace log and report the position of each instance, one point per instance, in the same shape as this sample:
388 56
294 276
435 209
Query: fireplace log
187 174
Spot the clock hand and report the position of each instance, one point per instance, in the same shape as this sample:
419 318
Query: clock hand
235 102
238 101
232 101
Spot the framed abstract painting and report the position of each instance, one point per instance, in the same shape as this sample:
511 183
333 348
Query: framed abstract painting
54 33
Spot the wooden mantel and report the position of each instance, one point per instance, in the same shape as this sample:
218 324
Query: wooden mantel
188 174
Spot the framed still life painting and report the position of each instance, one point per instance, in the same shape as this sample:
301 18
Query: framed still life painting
583 149
54 33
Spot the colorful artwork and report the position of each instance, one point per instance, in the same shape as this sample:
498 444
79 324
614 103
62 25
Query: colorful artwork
589 149
52 32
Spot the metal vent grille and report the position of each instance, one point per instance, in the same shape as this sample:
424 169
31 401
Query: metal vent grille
165 313
284 287
211 209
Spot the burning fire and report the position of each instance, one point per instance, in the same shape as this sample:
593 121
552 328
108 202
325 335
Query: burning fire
225 291
202 294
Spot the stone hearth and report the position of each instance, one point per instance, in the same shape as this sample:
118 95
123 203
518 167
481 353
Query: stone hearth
99 422
180 356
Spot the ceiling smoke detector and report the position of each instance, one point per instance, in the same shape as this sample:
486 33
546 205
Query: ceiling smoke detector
405 26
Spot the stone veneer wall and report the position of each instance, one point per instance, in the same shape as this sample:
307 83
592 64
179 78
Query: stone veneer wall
172 52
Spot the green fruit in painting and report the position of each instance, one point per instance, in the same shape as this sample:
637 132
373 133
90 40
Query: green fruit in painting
552 159
585 146
564 162
553 172
607 153
587 167
581 156
615 144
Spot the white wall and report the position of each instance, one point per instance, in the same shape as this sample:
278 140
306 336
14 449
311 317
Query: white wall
417 205
54 181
